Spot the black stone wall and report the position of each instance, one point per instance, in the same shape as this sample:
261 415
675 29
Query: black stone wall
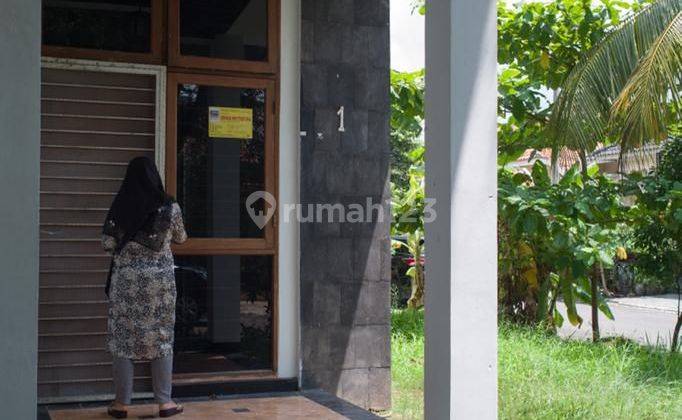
345 267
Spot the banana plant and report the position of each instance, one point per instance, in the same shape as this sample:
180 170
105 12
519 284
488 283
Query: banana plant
414 244
564 230
408 225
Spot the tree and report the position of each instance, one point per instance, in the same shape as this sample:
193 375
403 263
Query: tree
627 87
658 221
539 43
551 236
407 174
407 119
623 88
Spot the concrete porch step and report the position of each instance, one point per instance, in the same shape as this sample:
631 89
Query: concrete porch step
284 405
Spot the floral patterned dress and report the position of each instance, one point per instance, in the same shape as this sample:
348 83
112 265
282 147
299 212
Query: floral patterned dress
142 295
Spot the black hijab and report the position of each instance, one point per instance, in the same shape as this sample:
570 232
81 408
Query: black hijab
136 208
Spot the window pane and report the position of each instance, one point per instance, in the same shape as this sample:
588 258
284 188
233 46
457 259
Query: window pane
102 25
223 313
229 29
215 175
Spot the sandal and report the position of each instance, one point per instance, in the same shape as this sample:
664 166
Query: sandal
117 414
169 412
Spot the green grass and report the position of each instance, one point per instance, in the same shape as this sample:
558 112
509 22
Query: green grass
544 377
407 364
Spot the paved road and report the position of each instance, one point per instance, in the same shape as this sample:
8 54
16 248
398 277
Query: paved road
648 320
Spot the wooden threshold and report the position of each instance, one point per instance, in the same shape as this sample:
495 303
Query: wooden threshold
218 377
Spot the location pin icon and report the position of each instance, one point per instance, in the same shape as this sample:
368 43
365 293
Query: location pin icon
262 217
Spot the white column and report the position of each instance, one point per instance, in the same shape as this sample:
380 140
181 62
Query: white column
289 179
19 180
461 244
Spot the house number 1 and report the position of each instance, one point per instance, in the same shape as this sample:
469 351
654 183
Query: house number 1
340 113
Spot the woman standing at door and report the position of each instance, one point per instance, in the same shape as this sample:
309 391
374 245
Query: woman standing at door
140 226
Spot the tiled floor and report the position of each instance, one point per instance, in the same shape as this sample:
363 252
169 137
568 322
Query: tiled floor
271 407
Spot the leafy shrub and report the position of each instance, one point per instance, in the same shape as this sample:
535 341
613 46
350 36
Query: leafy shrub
551 238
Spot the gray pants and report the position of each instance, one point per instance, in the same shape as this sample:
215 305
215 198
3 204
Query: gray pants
162 379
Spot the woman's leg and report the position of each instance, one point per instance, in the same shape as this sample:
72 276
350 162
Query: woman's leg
162 379
123 379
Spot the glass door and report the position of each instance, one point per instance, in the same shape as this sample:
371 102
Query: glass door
220 161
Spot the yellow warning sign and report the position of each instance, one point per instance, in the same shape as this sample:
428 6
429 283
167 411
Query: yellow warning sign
231 123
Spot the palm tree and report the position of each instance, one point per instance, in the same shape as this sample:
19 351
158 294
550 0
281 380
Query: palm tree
627 87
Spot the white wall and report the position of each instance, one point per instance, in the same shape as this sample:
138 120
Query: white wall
289 141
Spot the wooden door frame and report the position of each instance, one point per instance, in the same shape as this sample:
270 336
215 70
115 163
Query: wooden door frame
269 66
170 67
233 246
